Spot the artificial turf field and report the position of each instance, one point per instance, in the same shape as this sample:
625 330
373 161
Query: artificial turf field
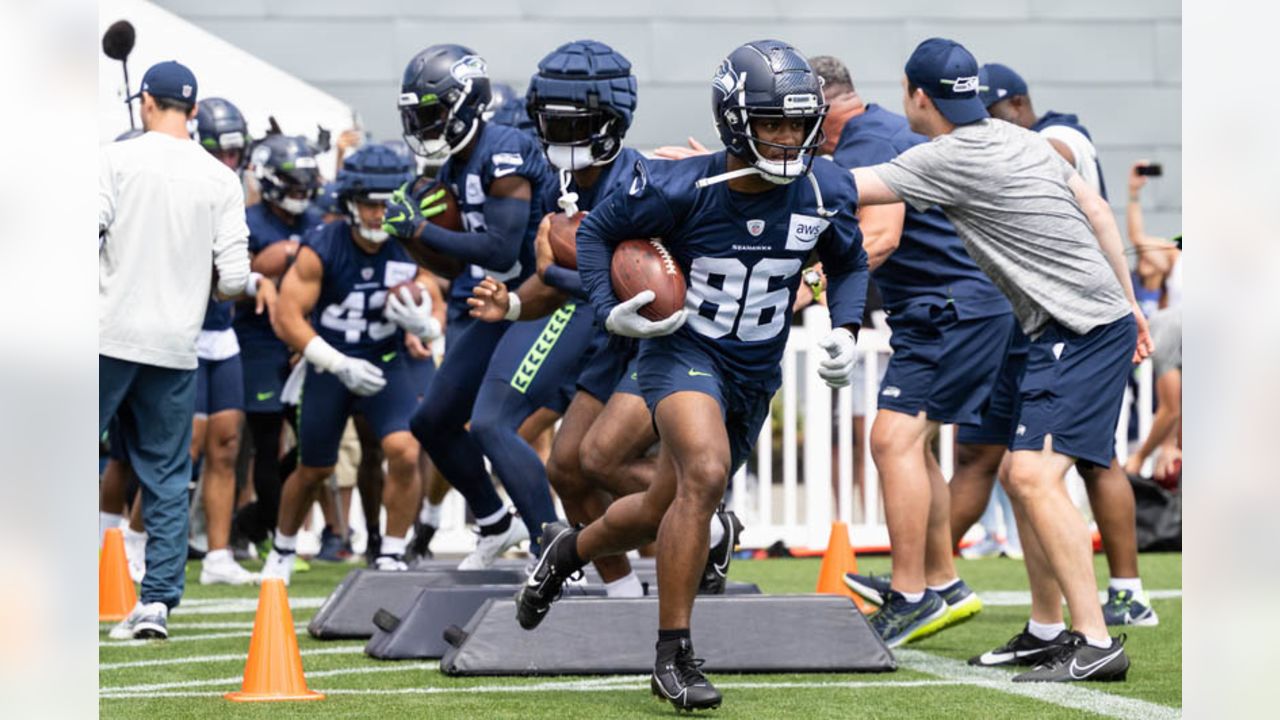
186 676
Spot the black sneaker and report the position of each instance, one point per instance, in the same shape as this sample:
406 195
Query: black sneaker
1022 649
420 547
1076 660
678 679
717 569
548 576
372 549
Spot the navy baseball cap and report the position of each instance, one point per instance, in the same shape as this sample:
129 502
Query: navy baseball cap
948 74
170 79
997 82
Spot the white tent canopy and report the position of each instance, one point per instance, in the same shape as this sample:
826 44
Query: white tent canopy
258 88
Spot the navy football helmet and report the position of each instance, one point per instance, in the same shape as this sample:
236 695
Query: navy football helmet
222 130
768 79
369 176
286 171
582 100
327 199
443 95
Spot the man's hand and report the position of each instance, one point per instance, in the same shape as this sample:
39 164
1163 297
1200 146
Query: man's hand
360 376
625 319
842 352
675 152
1133 466
414 318
265 297
542 245
1146 345
1169 463
1136 181
490 300
417 349
401 216
349 140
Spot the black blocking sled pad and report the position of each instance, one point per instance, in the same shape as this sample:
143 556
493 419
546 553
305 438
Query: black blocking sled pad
742 634
419 631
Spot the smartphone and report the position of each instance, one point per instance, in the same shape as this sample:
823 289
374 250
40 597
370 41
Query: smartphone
1151 169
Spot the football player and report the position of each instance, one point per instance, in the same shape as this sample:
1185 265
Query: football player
498 175
338 310
740 224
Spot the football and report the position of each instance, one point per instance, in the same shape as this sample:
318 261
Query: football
415 291
275 258
445 266
640 265
563 239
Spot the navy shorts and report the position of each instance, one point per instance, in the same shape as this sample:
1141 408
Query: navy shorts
672 364
540 358
996 426
1073 389
219 386
942 364
606 368
630 382
327 403
422 371
265 368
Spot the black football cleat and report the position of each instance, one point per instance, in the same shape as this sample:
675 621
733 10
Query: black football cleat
548 575
1022 649
420 546
715 574
678 679
1076 660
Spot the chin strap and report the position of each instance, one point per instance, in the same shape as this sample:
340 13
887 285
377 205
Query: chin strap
568 200
817 193
723 177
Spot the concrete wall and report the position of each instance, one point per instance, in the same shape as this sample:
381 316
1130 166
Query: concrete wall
1117 63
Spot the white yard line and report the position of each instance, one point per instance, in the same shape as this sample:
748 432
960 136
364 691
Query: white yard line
233 681
224 606
1015 598
182 637
240 657
1066 695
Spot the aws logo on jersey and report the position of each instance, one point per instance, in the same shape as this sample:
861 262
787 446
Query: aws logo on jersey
805 230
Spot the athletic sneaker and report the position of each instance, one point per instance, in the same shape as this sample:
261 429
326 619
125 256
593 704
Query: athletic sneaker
1022 649
899 621
392 563
279 565
220 568
1124 608
135 552
420 546
489 547
871 588
553 569
372 548
677 677
962 603
984 548
145 622
717 569
1076 660
332 547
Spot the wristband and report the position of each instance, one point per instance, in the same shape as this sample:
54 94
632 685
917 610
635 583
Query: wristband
322 355
251 287
513 307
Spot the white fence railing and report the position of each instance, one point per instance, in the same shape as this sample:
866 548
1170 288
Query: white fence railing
802 478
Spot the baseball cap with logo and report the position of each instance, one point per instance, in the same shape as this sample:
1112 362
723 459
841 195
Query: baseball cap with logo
997 82
170 79
948 74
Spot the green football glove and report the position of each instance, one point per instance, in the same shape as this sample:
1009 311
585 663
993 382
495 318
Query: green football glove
433 204
401 216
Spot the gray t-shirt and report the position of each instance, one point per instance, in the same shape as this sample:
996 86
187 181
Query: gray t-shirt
1166 333
1005 190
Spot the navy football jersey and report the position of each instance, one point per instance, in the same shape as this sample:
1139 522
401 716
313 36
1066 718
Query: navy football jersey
217 316
618 172
348 313
741 253
265 227
930 264
1072 121
499 151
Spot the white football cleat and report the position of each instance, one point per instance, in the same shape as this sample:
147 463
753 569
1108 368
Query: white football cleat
489 547
278 566
220 568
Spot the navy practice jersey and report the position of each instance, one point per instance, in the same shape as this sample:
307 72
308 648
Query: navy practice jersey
217 316
1072 121
930 264
618 172
499 151
265 227
353 292
740 253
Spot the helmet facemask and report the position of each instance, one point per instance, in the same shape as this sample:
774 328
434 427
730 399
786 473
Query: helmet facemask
375 235
577 137
794 160
432 125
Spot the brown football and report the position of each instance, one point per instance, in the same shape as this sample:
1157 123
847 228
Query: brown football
445 266
563 239
275 258
640 265
415 291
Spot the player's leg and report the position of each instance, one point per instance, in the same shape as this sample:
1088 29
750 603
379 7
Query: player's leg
429 512
370 481
1111 497
223 402
971 485
614 449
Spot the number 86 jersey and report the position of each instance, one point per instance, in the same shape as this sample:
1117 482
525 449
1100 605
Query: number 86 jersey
741 253
348 314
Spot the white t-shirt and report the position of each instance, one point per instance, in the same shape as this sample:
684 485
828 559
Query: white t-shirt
1085 153
171 211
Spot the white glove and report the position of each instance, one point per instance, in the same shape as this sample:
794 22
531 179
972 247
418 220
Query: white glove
626 320
360 376
843 356
415 319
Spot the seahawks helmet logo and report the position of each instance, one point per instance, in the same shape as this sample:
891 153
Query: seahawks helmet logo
726 78
470 66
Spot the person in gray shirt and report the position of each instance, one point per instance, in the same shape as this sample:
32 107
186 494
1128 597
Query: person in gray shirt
1050 243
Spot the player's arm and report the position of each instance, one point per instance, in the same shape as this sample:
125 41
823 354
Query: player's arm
550 275
231 243
491 301
1105 230
881 231
506 214
1168 415
871 189
844 263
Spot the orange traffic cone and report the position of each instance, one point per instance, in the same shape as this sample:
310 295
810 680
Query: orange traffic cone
274 668
116 596
836 561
